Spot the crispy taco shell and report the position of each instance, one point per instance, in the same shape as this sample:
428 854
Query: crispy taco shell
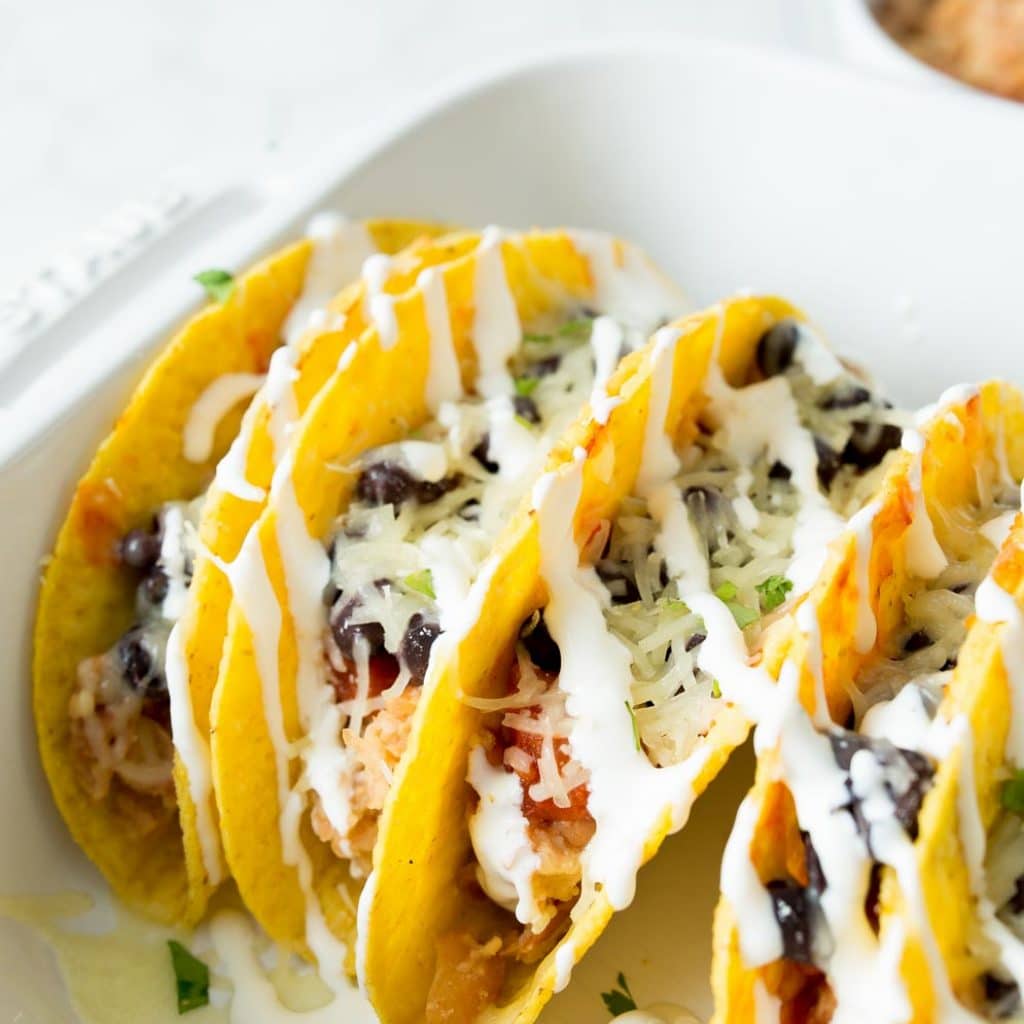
418 897
376 398
87 598
969 442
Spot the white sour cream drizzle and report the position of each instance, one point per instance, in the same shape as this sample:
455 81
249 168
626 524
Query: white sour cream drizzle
340 247
629 797
194 750
444 382
306 570
628 286
380 306
255 999
606 338
497 332
507 860
219 398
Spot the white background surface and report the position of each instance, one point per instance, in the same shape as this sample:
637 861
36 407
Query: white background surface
828 194
102 102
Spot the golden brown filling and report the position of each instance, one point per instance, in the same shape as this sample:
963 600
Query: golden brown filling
980 42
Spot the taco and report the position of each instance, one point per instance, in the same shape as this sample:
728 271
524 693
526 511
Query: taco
362 569
845 895
579 708
123 757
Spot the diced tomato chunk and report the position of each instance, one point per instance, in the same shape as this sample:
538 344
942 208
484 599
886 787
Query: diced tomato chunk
383 672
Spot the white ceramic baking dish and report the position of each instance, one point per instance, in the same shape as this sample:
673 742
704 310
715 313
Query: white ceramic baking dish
893 216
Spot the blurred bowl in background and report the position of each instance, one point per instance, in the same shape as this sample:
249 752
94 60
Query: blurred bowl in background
865 43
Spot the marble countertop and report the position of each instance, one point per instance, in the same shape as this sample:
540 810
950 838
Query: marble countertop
104 103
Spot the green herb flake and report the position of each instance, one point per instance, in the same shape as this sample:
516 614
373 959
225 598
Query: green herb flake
218 284
743 615
716 690
524 422
538 339
636 728
578 328
773 592
1012 794
675 604
526 386
192 977
422 582
726 592
620 1000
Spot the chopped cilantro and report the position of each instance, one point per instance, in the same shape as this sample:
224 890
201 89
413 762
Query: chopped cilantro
219 284
620 1000
1012 794
773 591
744 616
523 421
716 690
578 328
422 582
537 339
636 728
526 386
675 604
192 977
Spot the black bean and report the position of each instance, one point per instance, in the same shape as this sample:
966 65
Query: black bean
780 471
792 911
712 514
846 397
949 663
416 645
331 593
776 347
829 462
429 491
139 549
909 799
870 442
481 452
1016 901
347 633
816 882
908 776
155 586
872 906
695 641
542 367
136 662
470 510
623 588
917 641
526 409
541 647
1001 995
385 483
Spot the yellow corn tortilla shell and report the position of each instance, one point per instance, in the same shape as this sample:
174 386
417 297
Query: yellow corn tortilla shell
425 842
962 445
87 600
226 518
980 691
377 398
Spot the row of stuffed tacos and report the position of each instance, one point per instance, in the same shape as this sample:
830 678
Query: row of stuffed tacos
430 576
